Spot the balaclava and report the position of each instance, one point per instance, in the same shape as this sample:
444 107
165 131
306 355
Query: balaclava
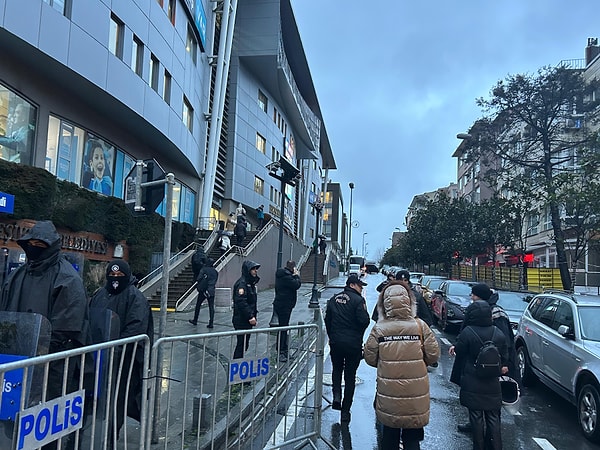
118 274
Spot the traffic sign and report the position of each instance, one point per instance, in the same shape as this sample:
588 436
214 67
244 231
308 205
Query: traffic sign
7 203
152 196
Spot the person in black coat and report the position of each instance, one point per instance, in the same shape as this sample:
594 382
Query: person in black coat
346 319
287 283
198 261
240 232
482 396
206 282
120 295
244 305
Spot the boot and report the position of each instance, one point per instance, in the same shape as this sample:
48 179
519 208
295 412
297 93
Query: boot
337 401
193 322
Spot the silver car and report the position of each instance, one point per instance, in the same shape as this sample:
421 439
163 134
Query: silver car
558 342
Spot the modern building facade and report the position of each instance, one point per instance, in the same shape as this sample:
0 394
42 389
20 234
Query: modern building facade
88 88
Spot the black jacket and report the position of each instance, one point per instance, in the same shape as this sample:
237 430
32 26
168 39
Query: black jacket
477 393
198 261
207 280
286 287
244 297
346 319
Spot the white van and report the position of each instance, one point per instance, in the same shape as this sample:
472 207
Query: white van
354 269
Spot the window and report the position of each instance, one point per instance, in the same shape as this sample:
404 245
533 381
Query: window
271 193
17 127
275 115
137 56
115 39
167 88
154 66
171 11
191 44
259 185
188 114
59 5
64 150
261 143
262 101
274 154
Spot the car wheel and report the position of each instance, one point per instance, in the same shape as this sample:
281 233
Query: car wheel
524 364
443 322
588 403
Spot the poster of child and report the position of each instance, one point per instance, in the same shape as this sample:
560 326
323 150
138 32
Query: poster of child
97 173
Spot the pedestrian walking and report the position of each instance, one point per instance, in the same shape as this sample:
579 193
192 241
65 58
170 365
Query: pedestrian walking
481 395
120 295
401 347
244 305
346 319
322 245
206 282
260 216
198 261
240 232
287 283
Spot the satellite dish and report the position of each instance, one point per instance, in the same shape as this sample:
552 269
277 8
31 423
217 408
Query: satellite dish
355 224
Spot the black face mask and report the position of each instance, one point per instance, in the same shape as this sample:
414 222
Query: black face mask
33 252
114 285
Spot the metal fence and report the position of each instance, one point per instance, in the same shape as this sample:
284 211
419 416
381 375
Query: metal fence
204 399
69 399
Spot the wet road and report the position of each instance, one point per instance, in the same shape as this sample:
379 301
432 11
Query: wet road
540 420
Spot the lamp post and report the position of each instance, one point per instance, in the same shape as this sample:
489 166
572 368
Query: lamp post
363 243
5 266
314 298
351 186
287 174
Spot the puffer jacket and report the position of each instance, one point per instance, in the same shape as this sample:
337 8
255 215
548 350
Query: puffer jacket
401 346
244 297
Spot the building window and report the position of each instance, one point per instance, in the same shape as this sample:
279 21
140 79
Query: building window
274 154
60 5
262 101
115 39
261 143
17 127
167 88
171 11
154 67
275 115
259 185
191 45
271 193
137 56
188 114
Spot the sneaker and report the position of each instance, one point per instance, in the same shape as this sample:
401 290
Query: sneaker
193 322
210 325
345 417
337 402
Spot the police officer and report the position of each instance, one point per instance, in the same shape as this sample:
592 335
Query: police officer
244 305
346 319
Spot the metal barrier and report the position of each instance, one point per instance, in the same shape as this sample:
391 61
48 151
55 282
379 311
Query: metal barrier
205 399
70 397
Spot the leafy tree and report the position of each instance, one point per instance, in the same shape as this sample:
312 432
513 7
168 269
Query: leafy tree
523 128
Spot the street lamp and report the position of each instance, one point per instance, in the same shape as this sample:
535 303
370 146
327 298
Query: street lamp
287 174
363 243
5 266
351 186
314 299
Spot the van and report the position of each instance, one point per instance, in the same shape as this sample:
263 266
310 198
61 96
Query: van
354 269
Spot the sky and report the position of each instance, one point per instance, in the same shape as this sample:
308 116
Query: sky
398 79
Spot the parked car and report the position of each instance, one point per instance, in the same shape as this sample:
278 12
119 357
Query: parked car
448 303
430 283
514 303
415 277
558 342
371 268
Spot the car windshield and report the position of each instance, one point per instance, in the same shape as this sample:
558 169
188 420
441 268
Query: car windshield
513 301
459 289
589 318
435 283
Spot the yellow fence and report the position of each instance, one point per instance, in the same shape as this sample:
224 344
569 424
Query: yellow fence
508 277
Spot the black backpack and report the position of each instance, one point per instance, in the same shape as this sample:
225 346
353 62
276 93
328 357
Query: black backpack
488 363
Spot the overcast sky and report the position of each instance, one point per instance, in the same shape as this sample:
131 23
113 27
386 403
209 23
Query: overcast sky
397 80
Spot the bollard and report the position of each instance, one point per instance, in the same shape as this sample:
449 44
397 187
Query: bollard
201 412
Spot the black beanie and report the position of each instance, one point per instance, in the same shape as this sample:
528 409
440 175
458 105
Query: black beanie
482 291
119 265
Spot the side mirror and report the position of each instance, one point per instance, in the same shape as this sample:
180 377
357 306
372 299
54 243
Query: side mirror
566 332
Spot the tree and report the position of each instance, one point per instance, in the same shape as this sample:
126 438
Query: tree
536 126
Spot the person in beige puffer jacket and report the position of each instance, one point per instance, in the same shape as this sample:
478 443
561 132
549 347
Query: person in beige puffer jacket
401 347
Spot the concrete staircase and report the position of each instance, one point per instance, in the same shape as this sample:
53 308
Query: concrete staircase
307 270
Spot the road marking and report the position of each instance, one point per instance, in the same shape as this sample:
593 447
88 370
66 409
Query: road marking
446 341
543 443
284 426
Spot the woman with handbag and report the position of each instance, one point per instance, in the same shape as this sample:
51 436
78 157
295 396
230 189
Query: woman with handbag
401 347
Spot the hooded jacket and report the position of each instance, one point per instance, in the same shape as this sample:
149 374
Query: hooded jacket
286 287
401 346
207 279
501 320
244 297
476 393
50 286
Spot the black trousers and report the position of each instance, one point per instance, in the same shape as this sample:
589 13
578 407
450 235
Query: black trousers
284 315
344 362
486 429
390 438
211 307
243 342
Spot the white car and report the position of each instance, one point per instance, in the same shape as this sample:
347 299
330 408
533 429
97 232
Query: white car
354 269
